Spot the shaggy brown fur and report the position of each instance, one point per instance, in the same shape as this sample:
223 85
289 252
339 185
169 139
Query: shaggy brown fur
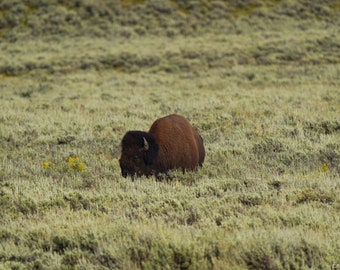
171 143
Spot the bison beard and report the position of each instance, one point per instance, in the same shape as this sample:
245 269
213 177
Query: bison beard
171 143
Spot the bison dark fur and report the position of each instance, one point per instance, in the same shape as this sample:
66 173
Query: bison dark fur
171 143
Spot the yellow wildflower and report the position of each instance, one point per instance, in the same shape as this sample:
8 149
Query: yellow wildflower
324 167
74 164
47 164
72 159
82 167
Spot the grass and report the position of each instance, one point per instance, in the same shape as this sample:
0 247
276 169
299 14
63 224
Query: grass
261 83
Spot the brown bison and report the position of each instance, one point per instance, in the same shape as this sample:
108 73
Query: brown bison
171 143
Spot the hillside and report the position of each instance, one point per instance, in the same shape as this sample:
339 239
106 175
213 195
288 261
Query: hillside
260 81
32 18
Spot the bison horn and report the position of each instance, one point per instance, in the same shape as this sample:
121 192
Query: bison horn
146 144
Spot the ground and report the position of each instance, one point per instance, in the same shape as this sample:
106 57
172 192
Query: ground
259 80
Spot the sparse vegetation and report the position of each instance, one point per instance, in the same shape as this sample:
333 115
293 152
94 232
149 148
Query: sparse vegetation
259 79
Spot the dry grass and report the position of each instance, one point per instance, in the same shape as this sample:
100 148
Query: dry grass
265 97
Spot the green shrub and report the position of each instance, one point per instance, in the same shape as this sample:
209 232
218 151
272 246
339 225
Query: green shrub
259 80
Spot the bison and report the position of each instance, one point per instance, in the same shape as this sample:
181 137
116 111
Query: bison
171 143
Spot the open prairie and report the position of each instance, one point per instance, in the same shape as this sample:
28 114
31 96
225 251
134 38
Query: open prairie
260 80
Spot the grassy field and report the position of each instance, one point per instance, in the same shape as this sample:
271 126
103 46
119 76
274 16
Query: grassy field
259 79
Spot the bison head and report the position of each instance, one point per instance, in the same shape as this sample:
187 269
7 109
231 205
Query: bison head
139 152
